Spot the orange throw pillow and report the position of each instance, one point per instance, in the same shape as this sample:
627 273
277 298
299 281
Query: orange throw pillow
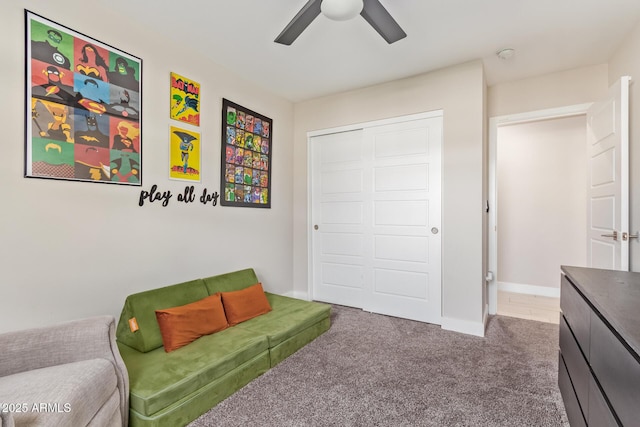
245 304
184 324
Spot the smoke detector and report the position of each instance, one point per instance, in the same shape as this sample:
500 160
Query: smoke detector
506 53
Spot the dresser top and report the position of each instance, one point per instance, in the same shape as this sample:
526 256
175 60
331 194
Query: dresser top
615 295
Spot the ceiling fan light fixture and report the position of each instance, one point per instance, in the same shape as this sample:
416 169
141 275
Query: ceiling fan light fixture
341 10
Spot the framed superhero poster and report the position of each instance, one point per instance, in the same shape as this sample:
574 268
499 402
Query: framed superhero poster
184 155
185 100
83 107
246 157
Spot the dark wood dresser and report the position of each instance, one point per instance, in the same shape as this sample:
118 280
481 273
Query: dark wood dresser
599 360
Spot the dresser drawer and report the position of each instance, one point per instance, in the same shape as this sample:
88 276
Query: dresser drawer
575 363
571 405
599 412
577 313
617 370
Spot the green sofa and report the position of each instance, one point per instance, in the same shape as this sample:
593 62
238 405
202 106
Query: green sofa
173 389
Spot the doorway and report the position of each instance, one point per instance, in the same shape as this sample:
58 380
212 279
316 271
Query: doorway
537 197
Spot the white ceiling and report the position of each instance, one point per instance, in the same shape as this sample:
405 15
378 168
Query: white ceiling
330 57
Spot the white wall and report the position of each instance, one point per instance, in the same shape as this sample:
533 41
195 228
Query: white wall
565 88
459 91
542 218
74 249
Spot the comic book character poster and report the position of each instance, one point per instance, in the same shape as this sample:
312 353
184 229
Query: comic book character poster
185 100
246 157
184 155
83 107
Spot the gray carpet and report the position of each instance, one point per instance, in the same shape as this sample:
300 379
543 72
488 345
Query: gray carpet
374 370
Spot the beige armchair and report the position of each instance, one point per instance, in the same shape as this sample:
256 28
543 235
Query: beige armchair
69 374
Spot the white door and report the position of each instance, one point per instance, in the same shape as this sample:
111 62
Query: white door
406 213
339 189
376 203
608 180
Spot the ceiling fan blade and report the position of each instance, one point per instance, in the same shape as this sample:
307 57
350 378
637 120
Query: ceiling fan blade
380 19
307 14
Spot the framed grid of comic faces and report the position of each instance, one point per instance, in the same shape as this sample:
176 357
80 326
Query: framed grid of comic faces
83 107
246 157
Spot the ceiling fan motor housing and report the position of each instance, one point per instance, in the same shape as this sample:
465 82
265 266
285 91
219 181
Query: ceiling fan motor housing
341 10
371 10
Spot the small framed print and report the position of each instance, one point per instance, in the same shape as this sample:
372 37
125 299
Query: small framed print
184 155
246 157
185 100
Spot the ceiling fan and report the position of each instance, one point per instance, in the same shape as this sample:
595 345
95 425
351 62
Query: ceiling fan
341 10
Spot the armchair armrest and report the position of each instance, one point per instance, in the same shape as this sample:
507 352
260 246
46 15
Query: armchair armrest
84 339
56 345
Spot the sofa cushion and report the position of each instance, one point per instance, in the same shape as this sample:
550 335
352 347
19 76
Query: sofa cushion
61 395
158 379
142 307
233 281
288 317
184 324
245 304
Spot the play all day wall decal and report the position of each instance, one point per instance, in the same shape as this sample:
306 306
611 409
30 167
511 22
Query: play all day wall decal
188 196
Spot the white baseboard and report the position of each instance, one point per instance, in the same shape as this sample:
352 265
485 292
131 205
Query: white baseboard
298 294
519 288
464 326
